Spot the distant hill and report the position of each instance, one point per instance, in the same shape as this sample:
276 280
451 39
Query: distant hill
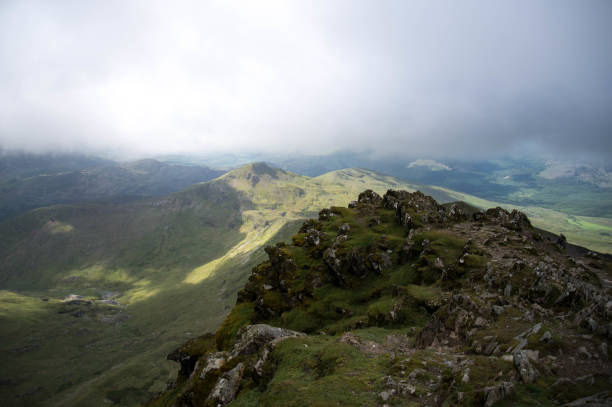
33 181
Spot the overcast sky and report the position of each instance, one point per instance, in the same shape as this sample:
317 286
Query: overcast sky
431 78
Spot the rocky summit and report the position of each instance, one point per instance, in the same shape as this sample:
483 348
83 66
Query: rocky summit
400 301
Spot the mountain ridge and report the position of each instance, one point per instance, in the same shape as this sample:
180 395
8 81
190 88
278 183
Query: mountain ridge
397 300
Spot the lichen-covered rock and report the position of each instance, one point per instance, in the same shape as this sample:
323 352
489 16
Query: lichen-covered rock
227 386
602 399
526 371
212 362
369 197
314 237
254 337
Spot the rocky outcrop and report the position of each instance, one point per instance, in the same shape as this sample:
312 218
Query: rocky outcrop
254 337
369 197
226 387
497 393
487 309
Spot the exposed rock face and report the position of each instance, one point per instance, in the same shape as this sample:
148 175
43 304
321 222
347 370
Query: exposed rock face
603 399
369 197
526 370
227 386
496 393
254 337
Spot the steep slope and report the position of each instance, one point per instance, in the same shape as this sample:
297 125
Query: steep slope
95 294
398 300
48 182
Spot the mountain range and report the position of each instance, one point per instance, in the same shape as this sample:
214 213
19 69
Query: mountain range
31 181
94 293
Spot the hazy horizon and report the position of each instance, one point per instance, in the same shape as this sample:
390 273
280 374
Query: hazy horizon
141 79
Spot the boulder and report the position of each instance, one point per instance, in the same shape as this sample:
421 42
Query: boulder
213 362
254 337
227 386
602 399
370 197
344 229
494 394
526 371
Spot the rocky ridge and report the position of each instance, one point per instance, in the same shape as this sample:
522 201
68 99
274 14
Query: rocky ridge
398 300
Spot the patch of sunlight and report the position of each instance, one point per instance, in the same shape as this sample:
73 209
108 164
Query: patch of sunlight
141 292
259 226
55 227
99 274
14 305
203 272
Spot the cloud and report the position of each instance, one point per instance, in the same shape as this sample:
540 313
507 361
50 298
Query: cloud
443 78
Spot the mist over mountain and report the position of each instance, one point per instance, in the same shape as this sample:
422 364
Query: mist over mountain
473 80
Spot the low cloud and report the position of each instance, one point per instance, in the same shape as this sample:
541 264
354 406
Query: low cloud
431 79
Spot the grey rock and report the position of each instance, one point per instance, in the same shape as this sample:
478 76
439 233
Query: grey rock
526 371
254 337
582 351
481 322
603 399
494 394
212 362
533 354
344 229
369 196
386 395
498 310
546 337
227 386
314 237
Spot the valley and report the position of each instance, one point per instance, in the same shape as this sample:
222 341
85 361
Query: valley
149 274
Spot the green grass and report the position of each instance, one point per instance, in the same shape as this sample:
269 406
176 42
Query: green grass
321 371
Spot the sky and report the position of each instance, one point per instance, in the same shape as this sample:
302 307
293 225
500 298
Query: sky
443 78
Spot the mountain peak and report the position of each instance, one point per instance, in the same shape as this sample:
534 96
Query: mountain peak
250 175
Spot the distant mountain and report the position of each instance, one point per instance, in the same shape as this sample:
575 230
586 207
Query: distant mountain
571 187
22 165
32 181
